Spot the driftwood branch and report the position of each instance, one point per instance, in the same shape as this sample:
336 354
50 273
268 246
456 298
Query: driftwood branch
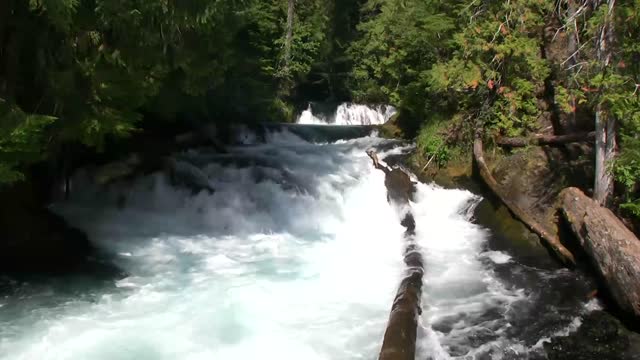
546 139
551 240
428 163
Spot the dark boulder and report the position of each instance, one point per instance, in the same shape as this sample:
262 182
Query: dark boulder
35 240
601 336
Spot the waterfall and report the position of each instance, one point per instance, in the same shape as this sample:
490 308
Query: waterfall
349 114
295 255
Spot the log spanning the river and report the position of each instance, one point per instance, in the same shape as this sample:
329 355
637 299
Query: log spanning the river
550 239
613 250
546 140
400 336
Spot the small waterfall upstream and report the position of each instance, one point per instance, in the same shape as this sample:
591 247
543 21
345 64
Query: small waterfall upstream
295 255
348 114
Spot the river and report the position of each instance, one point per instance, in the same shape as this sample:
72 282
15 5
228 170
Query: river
296 255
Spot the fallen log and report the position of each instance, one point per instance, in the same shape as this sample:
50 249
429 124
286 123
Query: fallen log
553 242
399 341
400 188
613 250
545 139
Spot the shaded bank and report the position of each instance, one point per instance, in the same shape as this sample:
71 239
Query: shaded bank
599 335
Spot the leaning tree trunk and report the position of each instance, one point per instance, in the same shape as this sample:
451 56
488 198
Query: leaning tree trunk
605 123
289 38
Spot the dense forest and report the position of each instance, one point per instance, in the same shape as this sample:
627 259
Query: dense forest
82 72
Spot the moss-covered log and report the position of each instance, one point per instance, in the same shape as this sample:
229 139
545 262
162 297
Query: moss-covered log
613 250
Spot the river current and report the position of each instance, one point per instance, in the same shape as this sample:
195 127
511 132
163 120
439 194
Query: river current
296 255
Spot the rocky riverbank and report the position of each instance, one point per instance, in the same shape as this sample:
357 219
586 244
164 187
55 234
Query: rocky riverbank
534 179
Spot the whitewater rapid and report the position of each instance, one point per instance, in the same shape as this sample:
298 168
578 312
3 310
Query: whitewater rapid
296 255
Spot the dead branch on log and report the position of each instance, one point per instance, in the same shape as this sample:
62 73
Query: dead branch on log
551 240
376 163
545 140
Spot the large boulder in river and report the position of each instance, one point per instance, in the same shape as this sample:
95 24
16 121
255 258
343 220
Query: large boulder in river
33 239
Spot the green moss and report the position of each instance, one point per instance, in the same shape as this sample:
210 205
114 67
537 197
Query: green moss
391 130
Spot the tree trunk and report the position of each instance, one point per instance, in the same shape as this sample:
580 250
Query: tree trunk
613 250
289 38
551 240
605 153
605 123
546 140
572 29
399 341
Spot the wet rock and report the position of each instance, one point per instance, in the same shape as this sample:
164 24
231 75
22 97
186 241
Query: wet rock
117 170
185 174
601 336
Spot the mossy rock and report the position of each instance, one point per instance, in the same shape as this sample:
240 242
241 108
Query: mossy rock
391 130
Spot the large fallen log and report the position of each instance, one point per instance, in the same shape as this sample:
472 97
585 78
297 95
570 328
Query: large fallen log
549 239
399 341
545 139
613 250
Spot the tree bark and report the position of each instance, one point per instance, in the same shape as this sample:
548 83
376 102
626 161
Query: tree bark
551 240
613 250
605 123
572 34
289 38
546 140
399 341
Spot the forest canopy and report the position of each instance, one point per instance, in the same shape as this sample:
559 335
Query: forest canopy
84 71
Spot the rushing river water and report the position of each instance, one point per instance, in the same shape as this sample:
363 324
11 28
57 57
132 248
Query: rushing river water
296 255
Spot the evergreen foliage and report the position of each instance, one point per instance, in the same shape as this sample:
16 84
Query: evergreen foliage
506 68
84 71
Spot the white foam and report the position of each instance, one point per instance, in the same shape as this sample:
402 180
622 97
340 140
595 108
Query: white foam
457 285
349 114
497 257
255 270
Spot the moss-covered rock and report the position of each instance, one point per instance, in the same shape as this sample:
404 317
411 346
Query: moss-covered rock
533 177
391 130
